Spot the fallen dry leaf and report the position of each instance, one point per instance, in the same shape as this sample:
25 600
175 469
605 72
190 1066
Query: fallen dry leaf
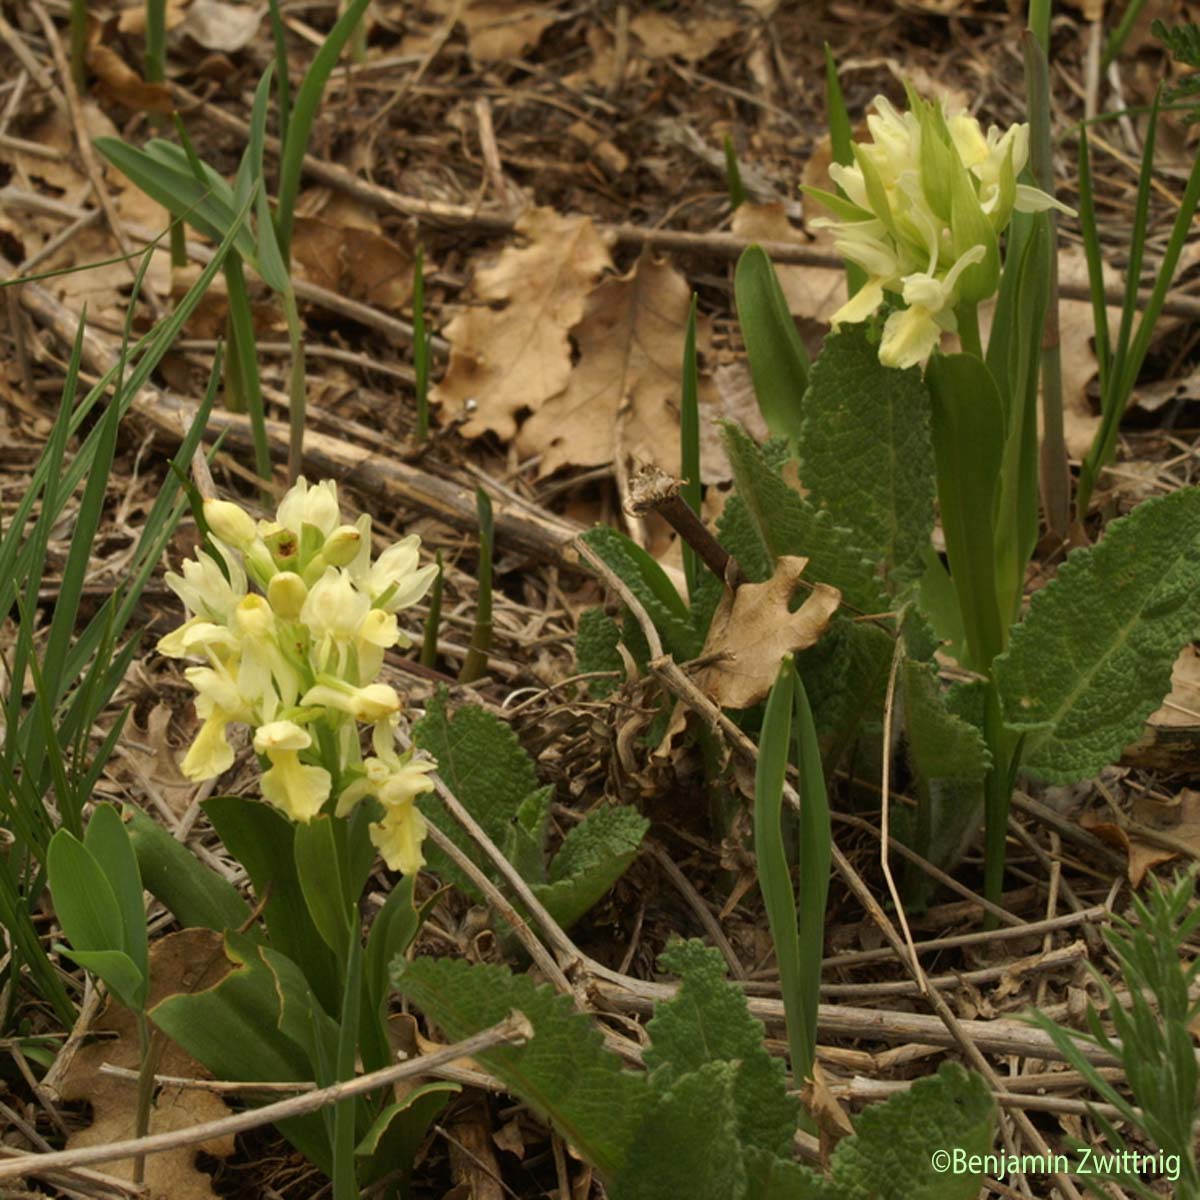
497 31
621 402
1171 740
218 25
133 19
1179 820
515 357
753 630
122 83
184 961
340 246
663 36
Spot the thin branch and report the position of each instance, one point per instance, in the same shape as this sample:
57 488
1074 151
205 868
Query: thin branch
513 1030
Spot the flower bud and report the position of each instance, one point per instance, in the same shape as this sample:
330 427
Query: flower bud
287 594
229 522
341 547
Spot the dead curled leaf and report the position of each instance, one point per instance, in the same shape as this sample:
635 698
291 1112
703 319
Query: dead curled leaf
516 355
218 25
663 36
622 399
345 257
184 961
125 85
752 630
496 31
1178 820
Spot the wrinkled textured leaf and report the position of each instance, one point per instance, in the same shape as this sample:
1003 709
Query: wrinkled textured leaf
889 1156
707 1021
563 1072
596 650
866 453
486 768
594 855
1092 659
687 1144
788 524
941 744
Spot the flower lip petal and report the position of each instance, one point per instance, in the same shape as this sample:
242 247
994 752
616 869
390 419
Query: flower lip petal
281 735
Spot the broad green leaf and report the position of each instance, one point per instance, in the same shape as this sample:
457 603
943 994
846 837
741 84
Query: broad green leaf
319 870
594 855
262 840
778 361
650 584
707 1021
889 1156
688 1141
233 1028
195 894
968 442
563 1072
108 840
84 901
788 524
596 650
395 1137
865 450
392 932
120 973
1092 659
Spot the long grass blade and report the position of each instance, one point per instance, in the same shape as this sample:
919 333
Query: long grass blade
689 441
774 877
304 111
475 664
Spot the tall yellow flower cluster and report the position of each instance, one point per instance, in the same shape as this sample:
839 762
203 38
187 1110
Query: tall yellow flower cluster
924 204
299 659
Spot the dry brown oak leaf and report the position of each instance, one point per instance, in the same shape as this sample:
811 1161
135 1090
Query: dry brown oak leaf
513 353
622 399
752 630
180 962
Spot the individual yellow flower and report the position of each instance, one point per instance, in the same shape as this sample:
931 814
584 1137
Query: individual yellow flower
396 580
910 336
398 837
295 788
218 703
316 506
371 703
334 608
204 588
378 632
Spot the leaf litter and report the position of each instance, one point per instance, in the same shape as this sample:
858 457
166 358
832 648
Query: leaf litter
565 348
